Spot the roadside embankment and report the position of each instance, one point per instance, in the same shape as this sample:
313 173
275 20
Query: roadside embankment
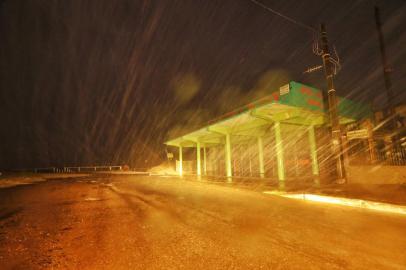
16 179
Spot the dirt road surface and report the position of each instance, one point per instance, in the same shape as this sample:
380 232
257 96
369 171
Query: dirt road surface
145 222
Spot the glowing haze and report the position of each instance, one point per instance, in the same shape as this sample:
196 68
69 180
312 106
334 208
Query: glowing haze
101 82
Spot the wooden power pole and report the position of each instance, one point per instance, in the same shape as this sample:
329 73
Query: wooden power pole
391 116
336 141
385 66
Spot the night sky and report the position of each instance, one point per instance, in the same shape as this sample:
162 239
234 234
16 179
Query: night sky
107 82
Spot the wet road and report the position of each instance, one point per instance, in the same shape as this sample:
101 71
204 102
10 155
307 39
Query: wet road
140 222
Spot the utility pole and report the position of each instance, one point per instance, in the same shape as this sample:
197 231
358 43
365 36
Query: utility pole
385 66
386 74
332 106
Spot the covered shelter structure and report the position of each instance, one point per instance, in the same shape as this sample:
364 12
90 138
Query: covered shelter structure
283 135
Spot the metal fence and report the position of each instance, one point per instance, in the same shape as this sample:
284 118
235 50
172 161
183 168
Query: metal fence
76 169
395 156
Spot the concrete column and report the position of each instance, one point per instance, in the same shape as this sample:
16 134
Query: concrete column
180 160
313 154
261 157
228 156
204 161
198 163
279 154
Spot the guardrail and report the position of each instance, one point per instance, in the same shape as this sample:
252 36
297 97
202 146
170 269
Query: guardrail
77 169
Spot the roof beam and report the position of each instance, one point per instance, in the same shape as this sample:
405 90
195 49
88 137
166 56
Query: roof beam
256 123
256 114
261 131
172 144
190 138
219 130
296 117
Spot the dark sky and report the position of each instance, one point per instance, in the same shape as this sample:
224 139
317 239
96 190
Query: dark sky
99 82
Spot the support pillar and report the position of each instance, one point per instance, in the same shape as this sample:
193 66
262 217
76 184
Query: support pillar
228 156
180 161
198 163
204 161
313 154
261 157
279 155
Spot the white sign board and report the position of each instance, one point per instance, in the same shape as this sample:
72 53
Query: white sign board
283 90
357 134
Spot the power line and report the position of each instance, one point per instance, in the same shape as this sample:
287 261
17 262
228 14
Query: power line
283 16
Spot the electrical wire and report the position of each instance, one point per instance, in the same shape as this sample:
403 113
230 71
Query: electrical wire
307 27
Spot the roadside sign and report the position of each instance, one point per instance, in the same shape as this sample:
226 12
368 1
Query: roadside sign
283 90
357 134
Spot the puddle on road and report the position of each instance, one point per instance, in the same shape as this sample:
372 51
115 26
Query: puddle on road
106 184
91 199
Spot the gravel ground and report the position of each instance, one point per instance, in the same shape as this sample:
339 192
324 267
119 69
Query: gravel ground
142 222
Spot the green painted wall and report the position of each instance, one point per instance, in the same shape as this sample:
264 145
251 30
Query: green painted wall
311 98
